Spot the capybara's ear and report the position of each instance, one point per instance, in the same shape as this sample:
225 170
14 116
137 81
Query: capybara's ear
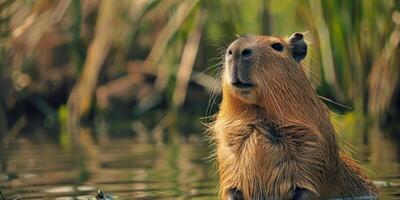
297 46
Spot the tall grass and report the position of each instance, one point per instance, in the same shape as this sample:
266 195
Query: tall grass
150 52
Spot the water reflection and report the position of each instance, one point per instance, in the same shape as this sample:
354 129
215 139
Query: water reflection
129 168
124 167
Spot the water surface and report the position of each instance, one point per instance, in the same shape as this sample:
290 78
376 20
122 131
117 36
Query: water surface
128 167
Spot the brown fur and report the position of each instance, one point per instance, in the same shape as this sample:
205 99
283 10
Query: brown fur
278 136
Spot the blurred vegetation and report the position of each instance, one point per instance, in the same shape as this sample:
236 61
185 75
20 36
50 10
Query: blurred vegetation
154 62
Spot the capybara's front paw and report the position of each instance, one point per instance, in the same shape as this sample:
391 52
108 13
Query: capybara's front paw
303 194
235 194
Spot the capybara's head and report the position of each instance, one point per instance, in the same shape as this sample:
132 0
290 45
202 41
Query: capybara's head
255 65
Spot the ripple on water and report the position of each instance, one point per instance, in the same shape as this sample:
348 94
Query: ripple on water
129 170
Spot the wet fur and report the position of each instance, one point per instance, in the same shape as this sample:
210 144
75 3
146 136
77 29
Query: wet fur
278 142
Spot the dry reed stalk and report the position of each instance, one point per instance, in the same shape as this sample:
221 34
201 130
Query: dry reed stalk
176 21
384 75
325 46
81 96
187 61
42 18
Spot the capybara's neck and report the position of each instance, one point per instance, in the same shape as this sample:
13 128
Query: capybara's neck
231 107
293 100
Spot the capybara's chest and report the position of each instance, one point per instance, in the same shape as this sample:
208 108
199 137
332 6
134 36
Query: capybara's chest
264 143
267 158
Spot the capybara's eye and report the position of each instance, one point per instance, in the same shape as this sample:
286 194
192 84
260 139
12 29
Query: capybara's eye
277 46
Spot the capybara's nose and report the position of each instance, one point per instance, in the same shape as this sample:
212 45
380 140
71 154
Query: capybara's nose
246 53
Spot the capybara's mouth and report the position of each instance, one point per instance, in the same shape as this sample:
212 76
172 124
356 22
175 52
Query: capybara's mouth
242 85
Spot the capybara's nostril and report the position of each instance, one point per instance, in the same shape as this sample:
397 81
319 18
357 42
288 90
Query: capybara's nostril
246 53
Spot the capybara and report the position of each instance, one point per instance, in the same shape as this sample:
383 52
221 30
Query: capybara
273 135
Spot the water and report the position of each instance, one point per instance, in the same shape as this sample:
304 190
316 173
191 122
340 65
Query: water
127 167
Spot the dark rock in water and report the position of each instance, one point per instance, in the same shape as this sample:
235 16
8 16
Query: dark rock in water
102 196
